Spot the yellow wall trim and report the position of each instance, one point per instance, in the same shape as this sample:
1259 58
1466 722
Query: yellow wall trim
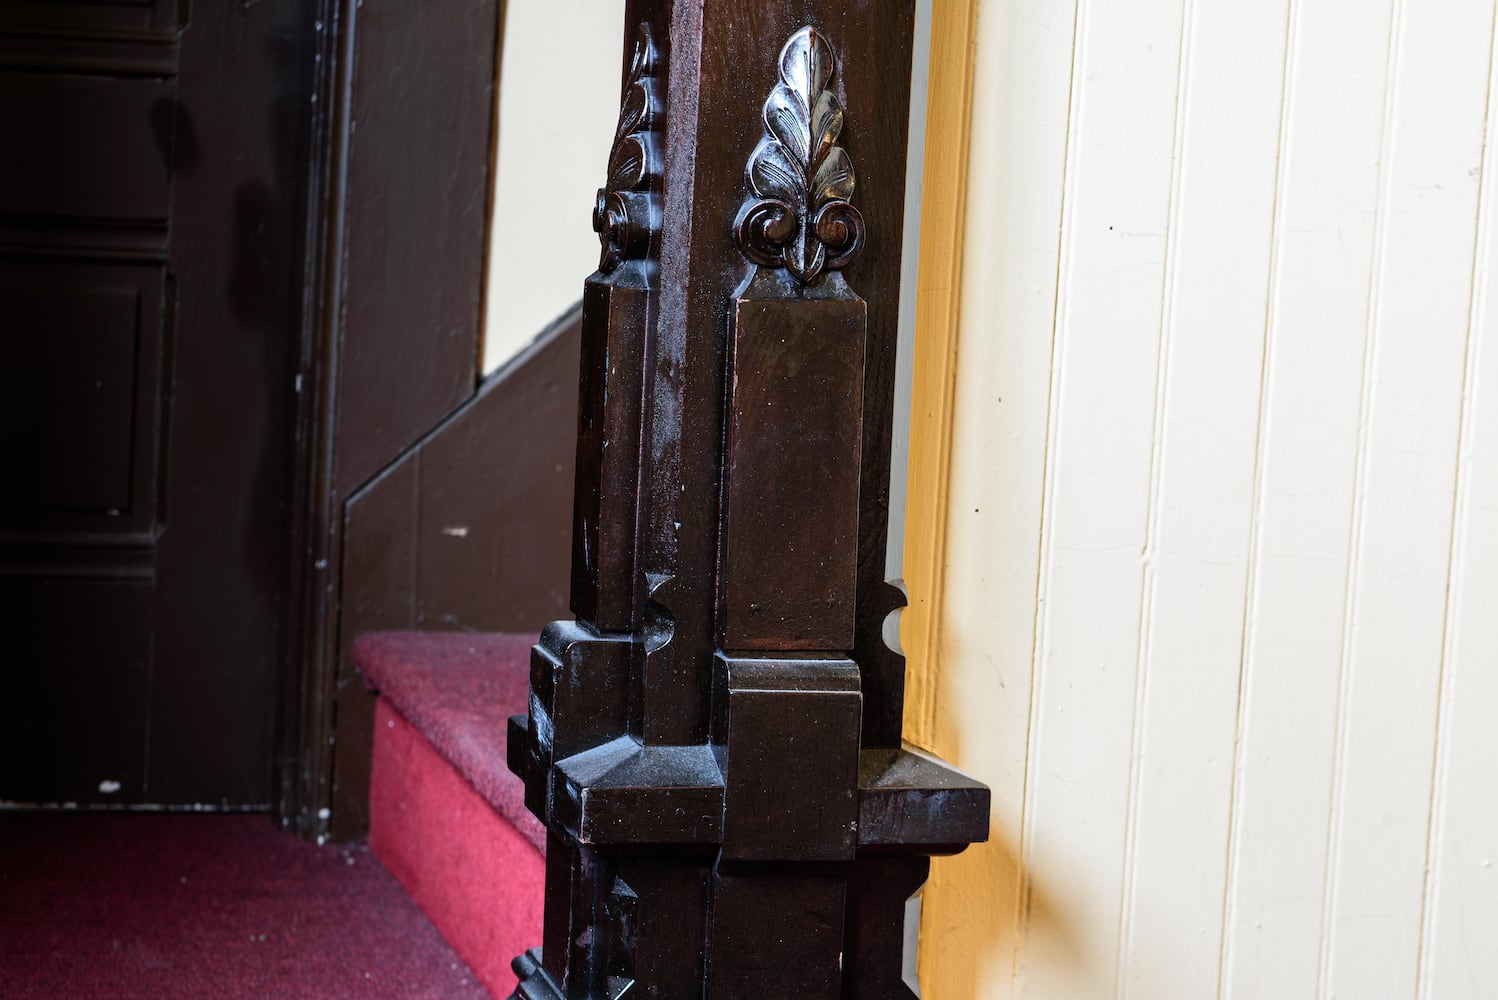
943 204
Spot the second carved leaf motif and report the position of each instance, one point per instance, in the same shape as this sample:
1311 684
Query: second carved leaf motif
802 219
626 215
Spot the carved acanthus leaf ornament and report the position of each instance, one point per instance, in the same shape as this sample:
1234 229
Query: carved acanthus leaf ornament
802 219
626 215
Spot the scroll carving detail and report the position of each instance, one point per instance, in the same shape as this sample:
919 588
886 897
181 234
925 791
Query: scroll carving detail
627 213
802 219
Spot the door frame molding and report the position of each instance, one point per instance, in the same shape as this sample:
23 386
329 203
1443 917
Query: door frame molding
332 461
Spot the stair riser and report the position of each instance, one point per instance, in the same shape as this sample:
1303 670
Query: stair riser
479 879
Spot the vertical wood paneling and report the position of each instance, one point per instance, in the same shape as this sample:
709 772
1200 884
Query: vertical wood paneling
1397 587
1335 109
1201 514
1222 511
1459 960
1021 99
1104 383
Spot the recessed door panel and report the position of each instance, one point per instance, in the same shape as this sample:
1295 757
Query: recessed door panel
76 673
79 386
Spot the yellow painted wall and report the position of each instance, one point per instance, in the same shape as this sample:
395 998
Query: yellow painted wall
1203 511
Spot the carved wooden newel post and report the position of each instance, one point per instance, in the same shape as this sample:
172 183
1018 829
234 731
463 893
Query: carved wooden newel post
714 745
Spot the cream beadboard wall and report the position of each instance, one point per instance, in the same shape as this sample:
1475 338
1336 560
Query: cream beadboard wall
558 105
1218 609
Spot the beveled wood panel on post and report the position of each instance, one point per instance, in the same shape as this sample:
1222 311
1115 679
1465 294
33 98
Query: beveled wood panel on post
714 744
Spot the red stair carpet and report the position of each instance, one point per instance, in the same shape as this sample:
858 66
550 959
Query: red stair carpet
206 907
446 816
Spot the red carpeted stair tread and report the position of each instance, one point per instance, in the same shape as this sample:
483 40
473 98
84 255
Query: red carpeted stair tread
459 689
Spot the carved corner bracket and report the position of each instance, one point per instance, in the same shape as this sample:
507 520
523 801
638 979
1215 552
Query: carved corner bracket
801 218
627 214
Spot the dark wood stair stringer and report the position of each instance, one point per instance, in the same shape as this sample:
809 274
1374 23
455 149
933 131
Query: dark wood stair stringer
468 530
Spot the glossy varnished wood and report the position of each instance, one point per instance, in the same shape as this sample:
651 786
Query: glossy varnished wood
715 743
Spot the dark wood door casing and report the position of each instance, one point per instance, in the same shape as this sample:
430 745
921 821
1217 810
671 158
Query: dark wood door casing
393 335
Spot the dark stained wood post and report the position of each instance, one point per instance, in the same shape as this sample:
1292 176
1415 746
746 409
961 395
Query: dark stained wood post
714 745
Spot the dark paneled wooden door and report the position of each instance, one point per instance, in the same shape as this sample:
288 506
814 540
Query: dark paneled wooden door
153 209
